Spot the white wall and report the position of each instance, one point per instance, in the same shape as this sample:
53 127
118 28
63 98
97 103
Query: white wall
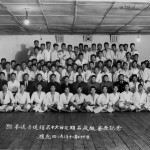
17 46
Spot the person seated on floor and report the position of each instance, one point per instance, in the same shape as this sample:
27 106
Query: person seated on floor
6 99
52 99
114 99
65 98
78 100
13 84
140 99
126 100
38 100
91 99
22 100
102 101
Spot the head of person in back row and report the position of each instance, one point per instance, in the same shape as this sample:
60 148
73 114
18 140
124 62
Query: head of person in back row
48 45
36 43
63 46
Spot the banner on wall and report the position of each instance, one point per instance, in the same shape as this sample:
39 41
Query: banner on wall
87 38
59 38
113 38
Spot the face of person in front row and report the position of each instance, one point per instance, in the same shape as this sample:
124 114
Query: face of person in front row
22 88
104 89
5 87
39 88
126 87
93 91
53 88
67 90
79 90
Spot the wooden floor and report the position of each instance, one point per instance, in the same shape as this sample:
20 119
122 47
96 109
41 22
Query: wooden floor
134 135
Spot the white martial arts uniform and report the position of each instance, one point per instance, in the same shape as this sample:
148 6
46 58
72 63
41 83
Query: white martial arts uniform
5 100
86 75
54 56
114 99
135 71
22 100
102 103
47 55
126 97
52 99
64 100
39 57
6 73
19 75
127 74
44 75
140 99
121 55
39 101
71 76
33 75
92 100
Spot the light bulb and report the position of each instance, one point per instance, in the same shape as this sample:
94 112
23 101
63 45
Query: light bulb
26 21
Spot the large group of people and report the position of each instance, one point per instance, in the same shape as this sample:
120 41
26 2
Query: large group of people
100 78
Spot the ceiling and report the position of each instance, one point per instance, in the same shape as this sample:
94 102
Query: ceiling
74 17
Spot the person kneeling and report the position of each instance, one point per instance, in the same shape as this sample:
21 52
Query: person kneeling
22 100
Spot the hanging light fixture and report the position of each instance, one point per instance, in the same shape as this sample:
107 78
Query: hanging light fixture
26 21
138 37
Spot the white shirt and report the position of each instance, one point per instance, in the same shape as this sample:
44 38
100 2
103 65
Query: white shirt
135 71
99 77
127 74
6 73
51 100
38 100
145 75
47 54
54 55
71 76
8 98
22 98
86 55
87 75
100 59
81 63
72 55
103 100
19 75
78 99
91 99
14 86
121 55
44 75
109 54
114 97
126 97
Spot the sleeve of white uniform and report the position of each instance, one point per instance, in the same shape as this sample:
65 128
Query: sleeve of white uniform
32 98
16 98
28 99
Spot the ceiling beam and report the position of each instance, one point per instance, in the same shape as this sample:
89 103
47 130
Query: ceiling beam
75 16
131 20
14 17
103 18
41 7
